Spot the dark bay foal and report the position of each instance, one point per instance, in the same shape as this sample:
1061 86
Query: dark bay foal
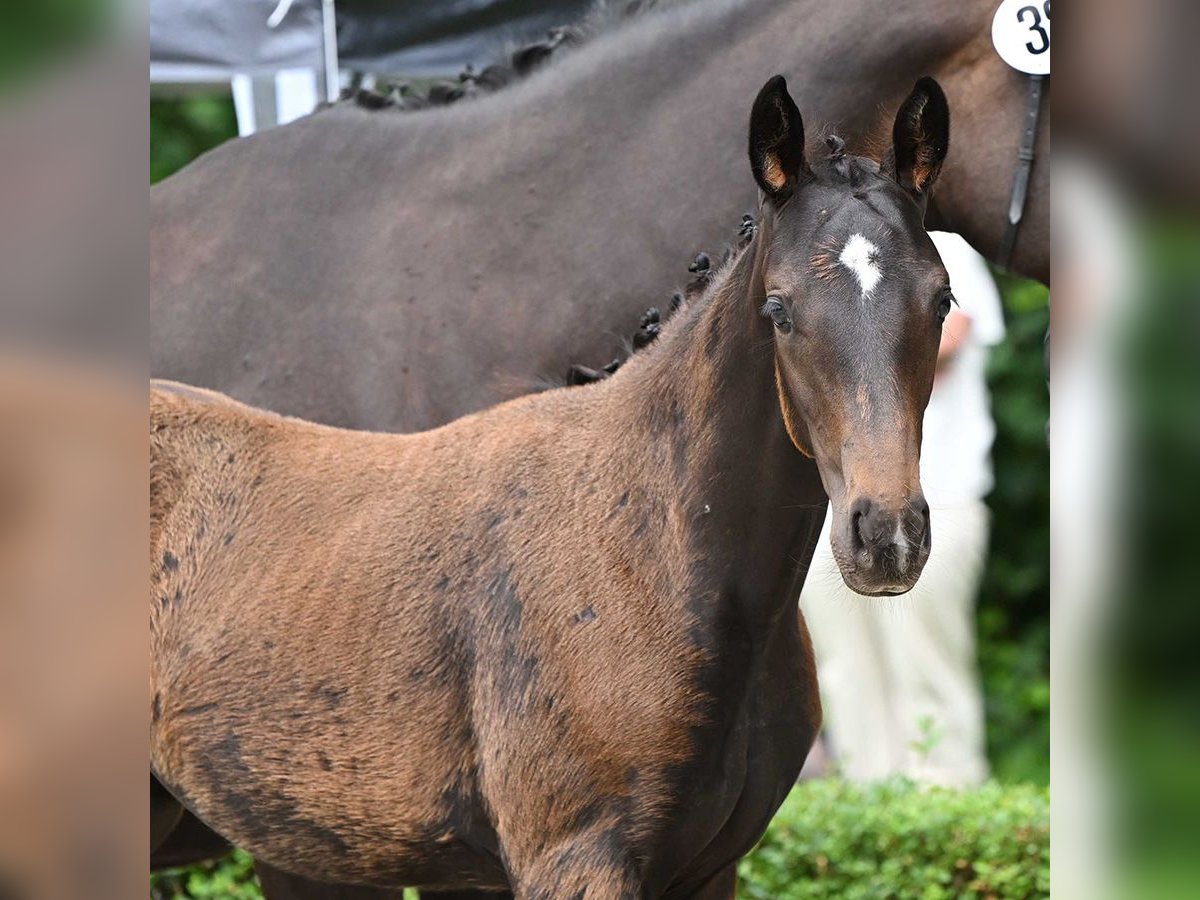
553 647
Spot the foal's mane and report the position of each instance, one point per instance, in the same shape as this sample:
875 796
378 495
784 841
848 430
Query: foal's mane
511 64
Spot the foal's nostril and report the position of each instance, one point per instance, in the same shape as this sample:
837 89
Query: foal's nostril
872 527
860 531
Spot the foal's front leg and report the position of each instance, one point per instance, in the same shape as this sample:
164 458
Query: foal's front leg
277 885
722 886
280 885
581 869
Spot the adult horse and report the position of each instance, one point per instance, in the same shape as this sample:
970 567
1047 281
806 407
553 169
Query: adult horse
382 659
393 270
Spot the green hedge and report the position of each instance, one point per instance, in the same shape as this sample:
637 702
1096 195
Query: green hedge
231 878
897 840
838 840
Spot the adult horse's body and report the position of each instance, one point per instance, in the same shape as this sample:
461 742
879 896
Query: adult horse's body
514 652
394 270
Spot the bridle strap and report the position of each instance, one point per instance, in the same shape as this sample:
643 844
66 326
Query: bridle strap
1025 156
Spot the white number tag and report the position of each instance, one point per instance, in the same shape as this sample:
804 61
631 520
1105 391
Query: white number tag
1021 35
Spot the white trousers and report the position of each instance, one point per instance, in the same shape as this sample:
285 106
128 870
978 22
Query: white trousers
898 675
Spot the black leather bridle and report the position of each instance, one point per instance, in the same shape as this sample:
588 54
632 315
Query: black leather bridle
1025 156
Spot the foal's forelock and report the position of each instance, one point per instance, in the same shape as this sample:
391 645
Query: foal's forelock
860 254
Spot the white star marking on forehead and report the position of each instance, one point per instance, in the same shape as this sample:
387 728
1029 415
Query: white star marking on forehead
859 256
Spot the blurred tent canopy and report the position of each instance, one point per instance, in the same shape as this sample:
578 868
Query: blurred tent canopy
282 56
212 39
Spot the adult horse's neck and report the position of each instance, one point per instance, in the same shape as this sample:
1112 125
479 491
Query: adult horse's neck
846 61
747 504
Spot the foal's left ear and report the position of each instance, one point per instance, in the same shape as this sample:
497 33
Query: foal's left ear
777 141
920 138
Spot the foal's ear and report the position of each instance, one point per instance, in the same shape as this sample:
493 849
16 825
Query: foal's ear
777 141
920 138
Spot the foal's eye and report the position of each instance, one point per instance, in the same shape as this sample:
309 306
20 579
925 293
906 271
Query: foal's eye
943 309
774 310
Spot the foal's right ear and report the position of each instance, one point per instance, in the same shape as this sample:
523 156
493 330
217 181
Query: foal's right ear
777 141
920 138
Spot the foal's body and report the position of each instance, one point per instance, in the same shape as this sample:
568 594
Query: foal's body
553 646
636 683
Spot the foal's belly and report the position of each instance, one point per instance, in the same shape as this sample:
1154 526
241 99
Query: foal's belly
358 820
337 768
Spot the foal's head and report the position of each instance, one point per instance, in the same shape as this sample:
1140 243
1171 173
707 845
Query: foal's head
856 294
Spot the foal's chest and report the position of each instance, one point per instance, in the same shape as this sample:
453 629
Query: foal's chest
745 772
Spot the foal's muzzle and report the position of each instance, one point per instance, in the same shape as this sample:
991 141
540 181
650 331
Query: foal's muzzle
884 546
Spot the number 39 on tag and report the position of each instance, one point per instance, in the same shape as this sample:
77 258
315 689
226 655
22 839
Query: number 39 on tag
1021 34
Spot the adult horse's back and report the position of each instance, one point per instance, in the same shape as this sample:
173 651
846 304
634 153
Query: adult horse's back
395 270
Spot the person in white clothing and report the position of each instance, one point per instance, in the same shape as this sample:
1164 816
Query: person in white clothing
898 676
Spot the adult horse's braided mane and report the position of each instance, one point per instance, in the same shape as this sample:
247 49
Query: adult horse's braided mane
512 65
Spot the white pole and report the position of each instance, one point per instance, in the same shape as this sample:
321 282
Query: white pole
333 82
281 10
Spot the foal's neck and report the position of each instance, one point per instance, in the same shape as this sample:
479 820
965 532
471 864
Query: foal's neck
705 403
